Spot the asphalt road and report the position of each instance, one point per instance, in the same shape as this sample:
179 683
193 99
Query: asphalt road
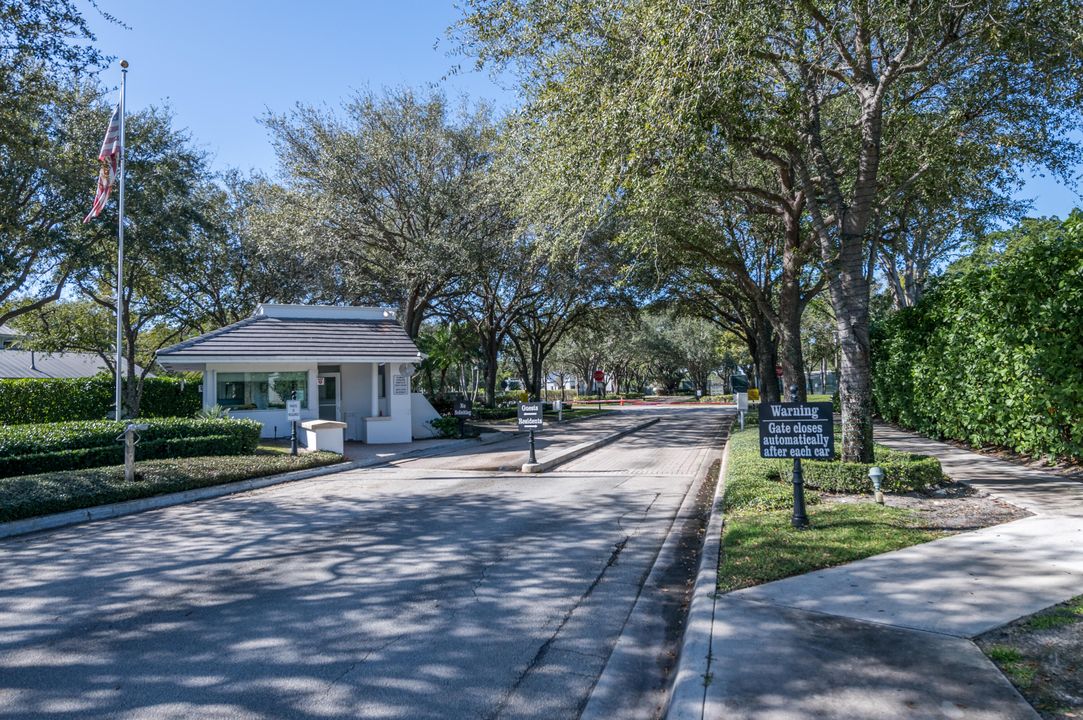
395 592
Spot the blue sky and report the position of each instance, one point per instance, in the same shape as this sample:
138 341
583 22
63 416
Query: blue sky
221 65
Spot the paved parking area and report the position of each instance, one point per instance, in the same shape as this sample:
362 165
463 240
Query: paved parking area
392 592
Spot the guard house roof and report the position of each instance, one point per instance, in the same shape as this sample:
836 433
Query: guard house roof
301 333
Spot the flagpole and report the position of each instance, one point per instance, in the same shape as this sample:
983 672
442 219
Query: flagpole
120 241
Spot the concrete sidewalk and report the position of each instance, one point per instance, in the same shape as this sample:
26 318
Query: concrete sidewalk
890 636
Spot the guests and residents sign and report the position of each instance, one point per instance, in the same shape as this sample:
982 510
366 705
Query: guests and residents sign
530 416
797 430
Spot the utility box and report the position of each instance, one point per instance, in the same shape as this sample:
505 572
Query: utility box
324 435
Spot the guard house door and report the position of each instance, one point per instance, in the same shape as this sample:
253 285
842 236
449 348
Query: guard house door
329 396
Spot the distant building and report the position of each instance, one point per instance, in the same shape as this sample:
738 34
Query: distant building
37 364
8 336
347 364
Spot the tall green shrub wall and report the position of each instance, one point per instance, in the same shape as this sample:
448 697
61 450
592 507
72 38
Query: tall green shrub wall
37 400
993 354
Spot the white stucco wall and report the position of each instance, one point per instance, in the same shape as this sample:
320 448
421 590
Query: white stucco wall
356 398
386 421
395 425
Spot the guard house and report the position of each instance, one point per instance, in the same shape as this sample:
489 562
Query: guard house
349 364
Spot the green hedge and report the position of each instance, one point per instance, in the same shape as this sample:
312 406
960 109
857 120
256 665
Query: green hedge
902 473
761 485
991 354
47 400
66 446
51 492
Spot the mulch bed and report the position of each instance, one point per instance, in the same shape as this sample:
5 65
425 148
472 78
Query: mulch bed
951 507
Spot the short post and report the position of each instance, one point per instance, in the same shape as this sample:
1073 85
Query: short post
877 476
130 441
800 518
293 430
533 458
129 454
560 411
462 426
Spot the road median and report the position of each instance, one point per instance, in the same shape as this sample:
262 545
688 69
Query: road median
585 447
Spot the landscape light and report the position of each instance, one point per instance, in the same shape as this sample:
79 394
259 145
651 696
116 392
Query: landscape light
877 475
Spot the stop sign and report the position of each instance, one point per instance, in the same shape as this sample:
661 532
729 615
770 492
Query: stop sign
778 370
599 376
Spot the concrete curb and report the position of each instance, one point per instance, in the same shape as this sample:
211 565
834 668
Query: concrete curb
604 701
584 448
109 511
688 698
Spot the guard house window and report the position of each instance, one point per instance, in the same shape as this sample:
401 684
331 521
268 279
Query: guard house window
261 390
382 381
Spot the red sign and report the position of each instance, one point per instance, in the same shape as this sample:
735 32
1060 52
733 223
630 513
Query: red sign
599 376
778 370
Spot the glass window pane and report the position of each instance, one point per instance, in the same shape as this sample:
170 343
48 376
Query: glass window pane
261 390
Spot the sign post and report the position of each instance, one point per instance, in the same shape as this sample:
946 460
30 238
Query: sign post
463 409
599 383
293 414
530 418
739 385
559 407
797 430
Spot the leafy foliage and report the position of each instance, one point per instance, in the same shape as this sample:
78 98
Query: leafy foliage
991 354
70 445
49 400
45 493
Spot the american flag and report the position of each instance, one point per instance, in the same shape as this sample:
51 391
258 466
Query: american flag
108 157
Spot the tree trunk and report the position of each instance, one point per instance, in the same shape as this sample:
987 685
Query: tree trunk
767 358
850 299
789 311
490 374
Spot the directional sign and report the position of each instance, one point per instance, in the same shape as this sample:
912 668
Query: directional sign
797 430
293 410
530 416
463 408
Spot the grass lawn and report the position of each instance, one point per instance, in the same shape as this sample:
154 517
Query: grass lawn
1042 655
758 543
33 495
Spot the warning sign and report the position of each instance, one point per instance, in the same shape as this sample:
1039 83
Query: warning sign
797 430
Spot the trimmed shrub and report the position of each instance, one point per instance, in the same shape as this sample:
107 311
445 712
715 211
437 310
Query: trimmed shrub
447 426
72 445
48 400
916 472
991 354
903 472
52 492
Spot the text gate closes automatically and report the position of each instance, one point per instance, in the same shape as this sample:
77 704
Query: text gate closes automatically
797 430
